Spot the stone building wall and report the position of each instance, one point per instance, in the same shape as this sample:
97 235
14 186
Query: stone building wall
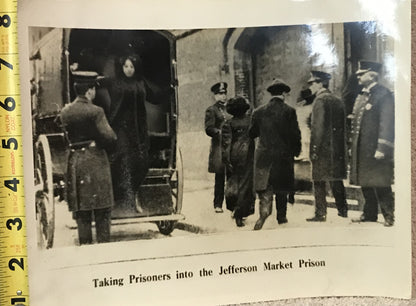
278 52
199 63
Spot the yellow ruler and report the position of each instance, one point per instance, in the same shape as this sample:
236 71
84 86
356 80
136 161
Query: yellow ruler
13 251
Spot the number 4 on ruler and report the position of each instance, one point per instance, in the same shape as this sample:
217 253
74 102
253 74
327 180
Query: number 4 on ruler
12 184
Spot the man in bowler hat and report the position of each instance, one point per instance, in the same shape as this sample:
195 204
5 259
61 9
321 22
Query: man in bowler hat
89 186
215 116
372 148
279 141
327 146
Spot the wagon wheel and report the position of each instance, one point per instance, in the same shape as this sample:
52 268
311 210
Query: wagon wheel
45 205
176 182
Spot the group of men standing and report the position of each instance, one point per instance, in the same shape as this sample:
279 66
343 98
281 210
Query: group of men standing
368 147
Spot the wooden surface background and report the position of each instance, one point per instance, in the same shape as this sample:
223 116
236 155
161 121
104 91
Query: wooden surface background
413 94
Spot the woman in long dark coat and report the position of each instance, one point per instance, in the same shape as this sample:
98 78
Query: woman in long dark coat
238 156
130 160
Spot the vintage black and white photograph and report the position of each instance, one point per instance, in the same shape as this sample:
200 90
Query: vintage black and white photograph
152 134
202 153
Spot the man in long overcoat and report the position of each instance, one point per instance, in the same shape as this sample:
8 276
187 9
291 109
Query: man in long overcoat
372 160
89 187
327 146
215 116
276 126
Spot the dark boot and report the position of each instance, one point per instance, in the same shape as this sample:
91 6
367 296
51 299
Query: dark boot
84 220
282 220
317 219
239 222
259 224
291 198
266 198
364 218
338 190
343 213
281 207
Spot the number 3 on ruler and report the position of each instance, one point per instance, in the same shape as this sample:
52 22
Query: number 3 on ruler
12 185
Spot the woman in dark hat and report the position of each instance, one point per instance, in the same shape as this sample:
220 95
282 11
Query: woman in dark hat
130 160
238 156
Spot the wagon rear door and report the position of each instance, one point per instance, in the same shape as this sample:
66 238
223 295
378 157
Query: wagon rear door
49 73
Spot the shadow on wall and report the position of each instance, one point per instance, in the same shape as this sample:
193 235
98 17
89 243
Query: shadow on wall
195 150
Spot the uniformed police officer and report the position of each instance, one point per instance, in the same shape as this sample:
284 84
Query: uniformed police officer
373 144
327 146
215 116
89 187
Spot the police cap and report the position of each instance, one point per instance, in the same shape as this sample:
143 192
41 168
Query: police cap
84 80
365 66
220 87
319 76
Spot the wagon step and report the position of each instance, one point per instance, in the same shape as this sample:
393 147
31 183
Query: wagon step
124 221
174 217
159 173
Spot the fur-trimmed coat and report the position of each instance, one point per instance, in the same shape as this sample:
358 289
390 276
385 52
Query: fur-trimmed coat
373 130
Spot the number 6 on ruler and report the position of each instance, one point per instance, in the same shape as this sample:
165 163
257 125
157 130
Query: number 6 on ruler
9 104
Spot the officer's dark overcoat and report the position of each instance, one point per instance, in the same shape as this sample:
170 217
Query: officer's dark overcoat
88 178
276 126
215 116
373 129
328 138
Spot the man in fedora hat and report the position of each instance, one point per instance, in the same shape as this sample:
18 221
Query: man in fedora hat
276 126
89 187
215 116
372 136
327 146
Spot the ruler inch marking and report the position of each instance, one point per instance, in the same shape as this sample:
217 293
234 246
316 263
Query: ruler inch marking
13 245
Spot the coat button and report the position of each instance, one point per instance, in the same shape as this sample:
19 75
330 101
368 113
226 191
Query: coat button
81 181
83 149
72 150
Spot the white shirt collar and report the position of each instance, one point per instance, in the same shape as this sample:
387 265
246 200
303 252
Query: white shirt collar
281 97
323 89
368 88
